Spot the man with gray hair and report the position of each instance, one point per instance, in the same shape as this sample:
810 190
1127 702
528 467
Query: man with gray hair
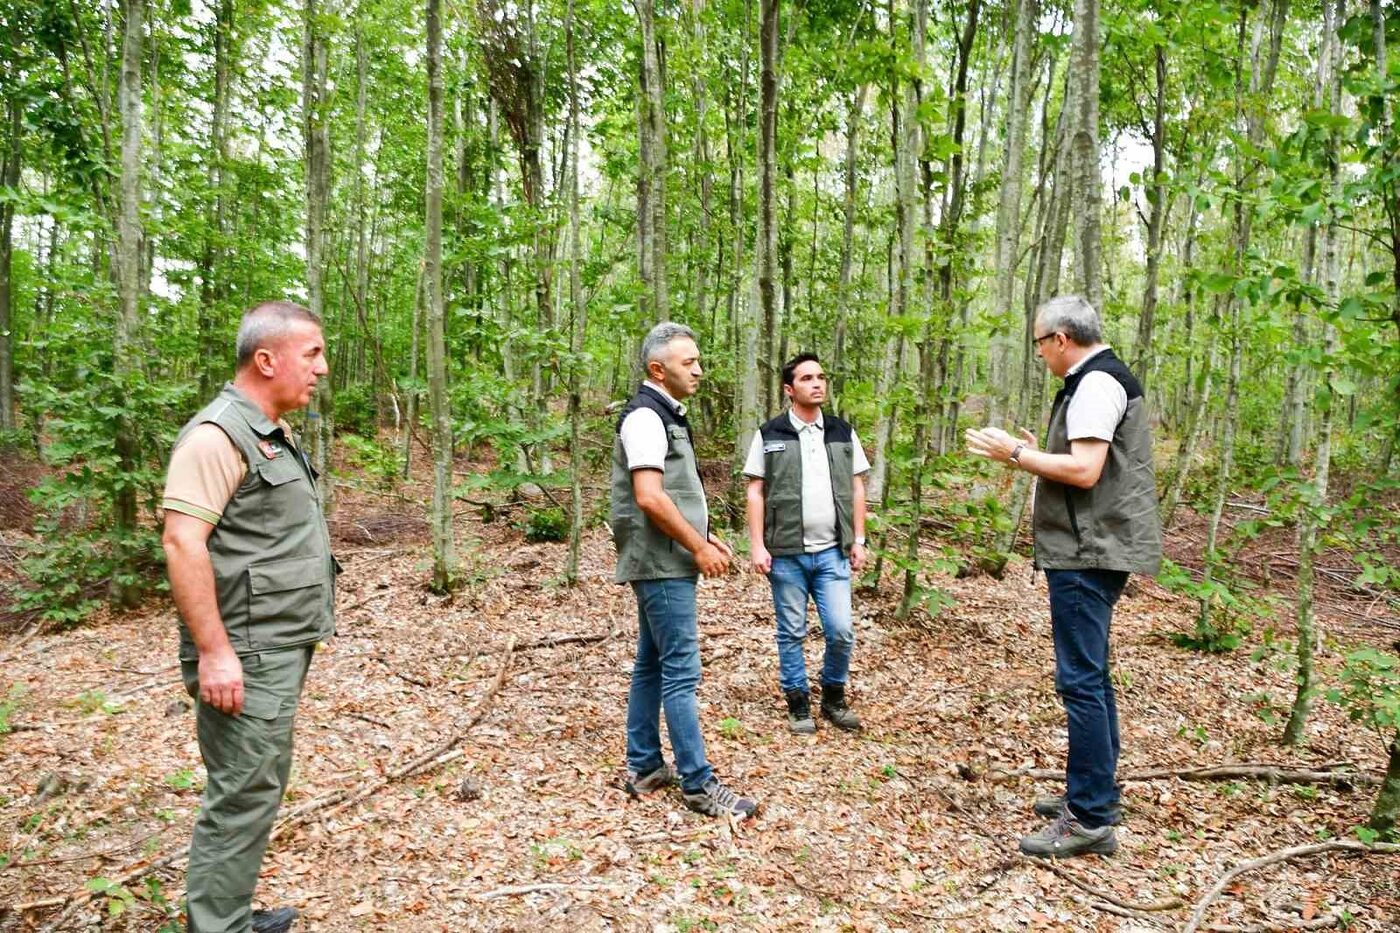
253 579
660 525
1095 521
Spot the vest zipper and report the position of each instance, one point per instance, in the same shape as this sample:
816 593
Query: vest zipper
1073 517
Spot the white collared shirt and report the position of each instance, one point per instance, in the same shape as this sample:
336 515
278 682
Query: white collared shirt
644 436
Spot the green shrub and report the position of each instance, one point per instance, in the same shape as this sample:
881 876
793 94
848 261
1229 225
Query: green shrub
547 523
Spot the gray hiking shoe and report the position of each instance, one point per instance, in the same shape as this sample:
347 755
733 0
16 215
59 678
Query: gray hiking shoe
1065 837
835 709
638 784
714 799
799 706
1050 805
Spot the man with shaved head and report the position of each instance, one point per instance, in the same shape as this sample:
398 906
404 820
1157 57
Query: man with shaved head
253 578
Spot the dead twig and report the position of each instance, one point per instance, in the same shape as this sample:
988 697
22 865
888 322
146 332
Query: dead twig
101 854
519 889
1273 858
1325 922
555 641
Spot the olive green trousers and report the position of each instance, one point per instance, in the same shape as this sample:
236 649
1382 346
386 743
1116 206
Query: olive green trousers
248 758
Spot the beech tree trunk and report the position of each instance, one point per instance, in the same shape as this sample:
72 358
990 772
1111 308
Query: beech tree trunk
1087 196
126 355
320 425
444 550
843 290
766 252
9 179
580 321
651 176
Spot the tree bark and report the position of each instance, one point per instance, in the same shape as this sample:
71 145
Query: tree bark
9 180
1087 192
651 177
767 247
1312 520
1385 815
126 354
212 289
1143 363
444 551
843 291
320 426
580 320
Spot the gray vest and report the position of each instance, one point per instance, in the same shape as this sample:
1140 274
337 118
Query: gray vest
274 575
1113 525
782 483
644 551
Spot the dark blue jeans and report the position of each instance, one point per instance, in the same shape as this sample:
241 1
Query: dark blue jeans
1081 609
666 675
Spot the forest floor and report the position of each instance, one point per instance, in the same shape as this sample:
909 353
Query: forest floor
514 817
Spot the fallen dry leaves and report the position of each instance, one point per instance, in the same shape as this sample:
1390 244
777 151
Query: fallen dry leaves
529 829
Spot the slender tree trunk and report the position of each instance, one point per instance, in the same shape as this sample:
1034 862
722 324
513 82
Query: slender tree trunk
702 163
651 177
843 292
767 247
743 308
1143 363
444 551
580 320
1008 228
1315 497
316 139
361 232
9 180
1385 815
411 404
1087 196
126 353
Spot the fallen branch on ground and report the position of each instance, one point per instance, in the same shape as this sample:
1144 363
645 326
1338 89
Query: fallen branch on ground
1282 855
1326 922
556 640
340 799
1272 774
547 886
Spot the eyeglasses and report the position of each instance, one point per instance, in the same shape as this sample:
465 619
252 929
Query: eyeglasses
1036 341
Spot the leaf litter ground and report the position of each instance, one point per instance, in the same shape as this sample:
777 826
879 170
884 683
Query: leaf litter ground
911 825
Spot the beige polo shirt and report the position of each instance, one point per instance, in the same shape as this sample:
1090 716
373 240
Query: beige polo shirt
205 471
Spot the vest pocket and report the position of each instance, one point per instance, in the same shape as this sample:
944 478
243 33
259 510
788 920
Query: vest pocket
286 600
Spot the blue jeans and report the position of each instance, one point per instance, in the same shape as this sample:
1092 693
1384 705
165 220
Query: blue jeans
826 578
666 674
1081 608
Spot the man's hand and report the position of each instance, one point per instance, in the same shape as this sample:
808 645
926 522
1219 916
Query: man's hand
859 557
996 444
713 557
221 681
759 558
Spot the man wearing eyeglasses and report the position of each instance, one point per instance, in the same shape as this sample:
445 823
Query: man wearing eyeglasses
1095 521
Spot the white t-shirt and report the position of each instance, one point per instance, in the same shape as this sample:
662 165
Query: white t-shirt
1097 406
818 505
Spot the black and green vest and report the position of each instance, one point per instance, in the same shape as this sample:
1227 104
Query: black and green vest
274 575
1114 524
644 551
782 483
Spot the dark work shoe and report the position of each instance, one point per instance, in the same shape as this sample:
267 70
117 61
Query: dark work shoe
638 784
1065 837
799 712
834 708
1050 805
714 799
277 920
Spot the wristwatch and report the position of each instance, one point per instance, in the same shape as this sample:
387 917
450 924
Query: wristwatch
860 539
1016 455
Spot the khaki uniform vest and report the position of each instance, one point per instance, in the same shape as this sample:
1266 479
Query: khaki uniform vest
644 551
1113 525
274 575
782 484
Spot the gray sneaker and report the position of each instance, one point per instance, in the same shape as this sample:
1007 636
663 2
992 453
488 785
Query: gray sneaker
714 799
638 784
1050 805
799 706
1066 837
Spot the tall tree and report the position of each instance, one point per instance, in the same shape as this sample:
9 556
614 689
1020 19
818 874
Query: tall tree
9 182
126 355
444 551
766 252
651 175
316 155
